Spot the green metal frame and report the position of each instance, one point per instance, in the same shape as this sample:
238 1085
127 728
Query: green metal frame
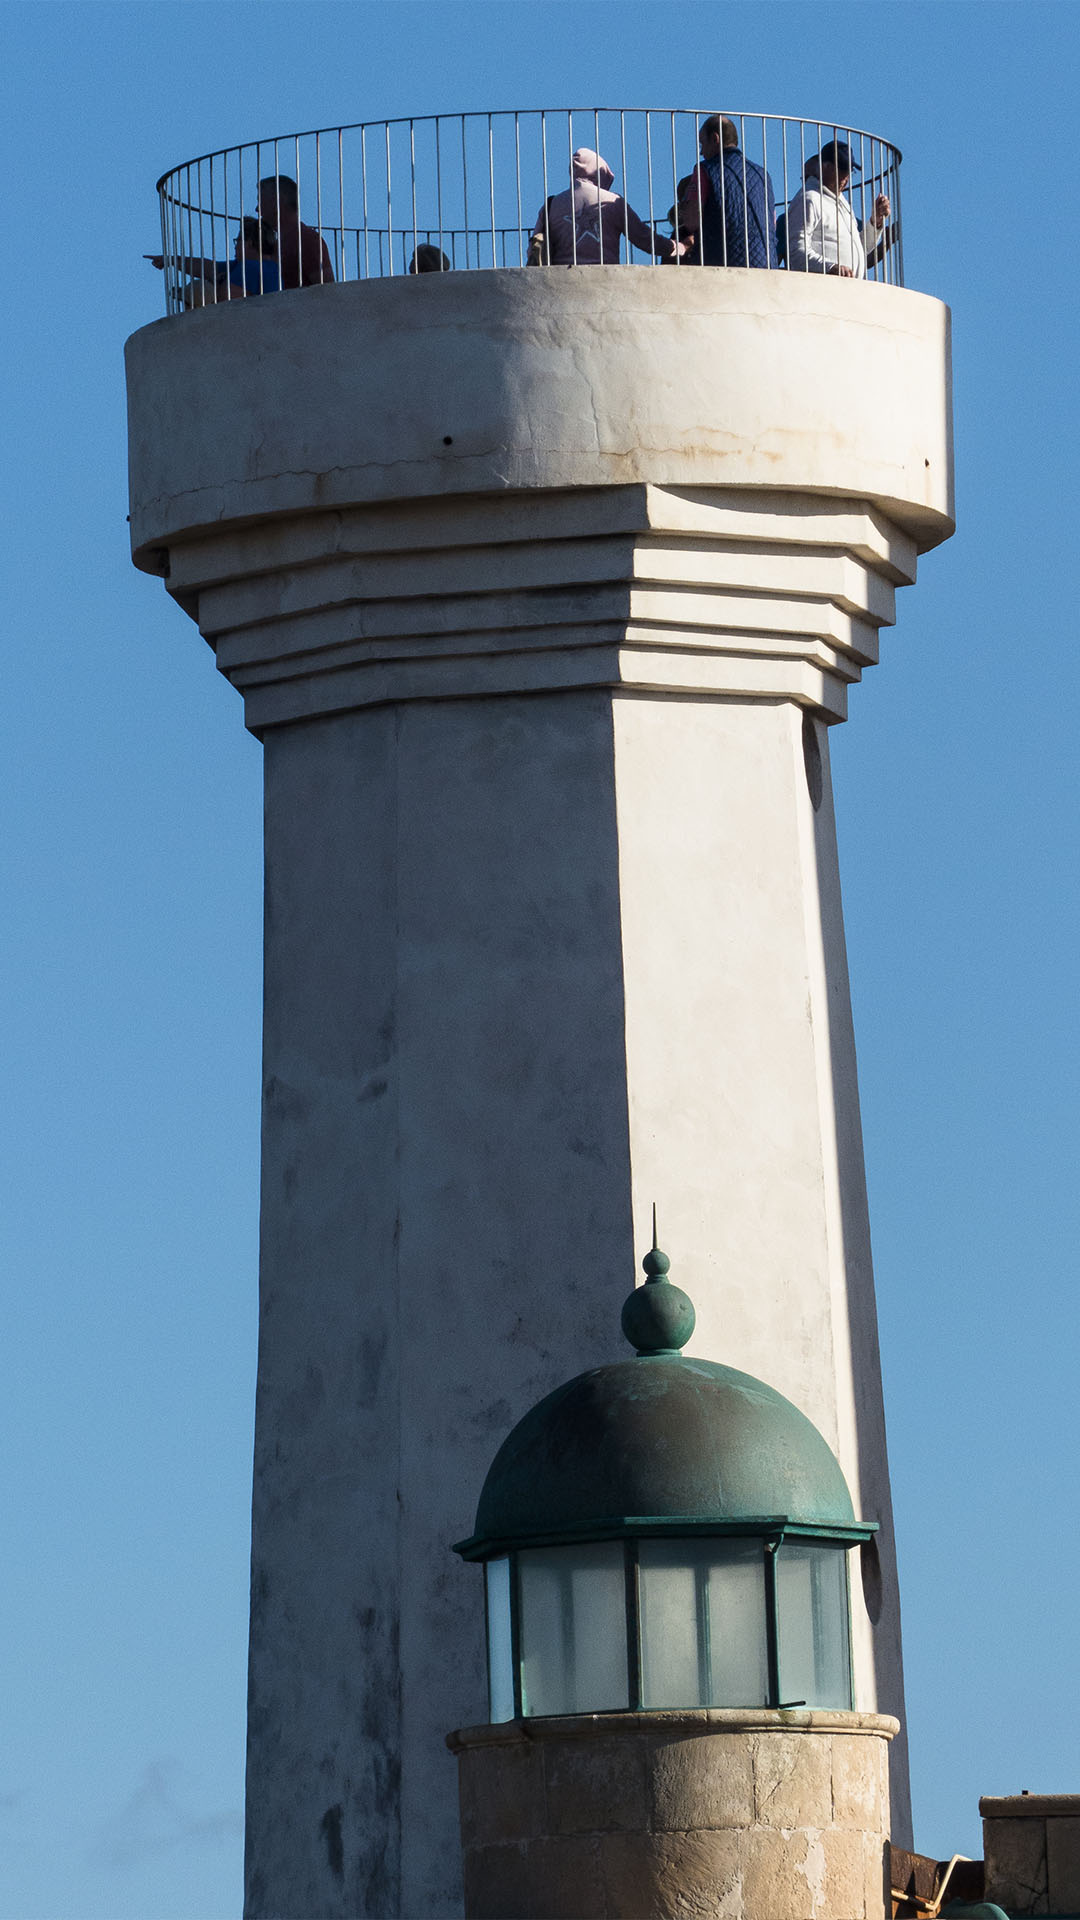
778 1526
771 1533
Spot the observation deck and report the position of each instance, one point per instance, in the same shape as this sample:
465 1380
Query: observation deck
468 190
479 382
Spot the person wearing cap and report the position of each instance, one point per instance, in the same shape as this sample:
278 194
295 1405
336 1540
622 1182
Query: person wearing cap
585 225
728 202
824 234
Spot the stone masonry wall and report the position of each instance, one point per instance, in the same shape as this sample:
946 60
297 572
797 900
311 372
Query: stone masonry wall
738 1816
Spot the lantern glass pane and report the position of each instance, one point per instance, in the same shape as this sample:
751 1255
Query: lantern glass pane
702 1608
572 1628
499 1645
812 1609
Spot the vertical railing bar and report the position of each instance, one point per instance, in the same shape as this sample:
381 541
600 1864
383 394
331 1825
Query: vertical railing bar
465 186
648 163
438 176
491 185
299 204
194 201
168 247
801 188
178 236
342 260
240 232
745 192
699 165
164 246
412 183
573 190
892 173
318 204
277 218
163 222
821 196
898 229
723 185
599 207
625 180
833 135
174 243
879 241
239 216
259 218
886 187
547 210
787 196
517 173
389 204
862 207
675 187
202 242
364 208
765 190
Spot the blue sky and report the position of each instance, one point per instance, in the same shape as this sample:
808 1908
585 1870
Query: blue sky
133 900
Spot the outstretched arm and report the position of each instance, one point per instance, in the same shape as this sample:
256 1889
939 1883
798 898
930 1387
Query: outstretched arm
642 235
187 263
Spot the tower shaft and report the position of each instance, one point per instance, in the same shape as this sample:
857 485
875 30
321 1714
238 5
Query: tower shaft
542 591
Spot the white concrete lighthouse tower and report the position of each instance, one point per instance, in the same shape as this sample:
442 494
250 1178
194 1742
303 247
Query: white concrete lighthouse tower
542 589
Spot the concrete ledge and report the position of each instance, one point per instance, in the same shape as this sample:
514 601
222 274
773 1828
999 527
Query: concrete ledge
689 1721
1030 1806
483 382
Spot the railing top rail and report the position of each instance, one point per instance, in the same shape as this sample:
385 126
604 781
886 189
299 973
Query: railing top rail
512 113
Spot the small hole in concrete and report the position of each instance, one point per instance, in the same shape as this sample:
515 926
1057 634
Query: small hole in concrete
448 441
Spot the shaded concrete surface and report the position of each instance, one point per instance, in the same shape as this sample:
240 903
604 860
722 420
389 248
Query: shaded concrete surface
1031 1844
445 1216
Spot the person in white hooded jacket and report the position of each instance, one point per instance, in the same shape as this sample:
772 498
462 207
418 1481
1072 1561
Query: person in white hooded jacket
584 225
824 234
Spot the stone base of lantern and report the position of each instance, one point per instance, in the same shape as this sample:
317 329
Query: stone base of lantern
742 1815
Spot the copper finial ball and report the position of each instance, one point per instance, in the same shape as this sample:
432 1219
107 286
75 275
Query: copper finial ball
658 1317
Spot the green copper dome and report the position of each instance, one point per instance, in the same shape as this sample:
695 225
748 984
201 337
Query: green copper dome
660 1443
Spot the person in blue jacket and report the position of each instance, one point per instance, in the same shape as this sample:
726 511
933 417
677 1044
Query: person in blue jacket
253 268
729 202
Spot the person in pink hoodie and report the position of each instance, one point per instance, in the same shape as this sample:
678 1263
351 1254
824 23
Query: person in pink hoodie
585 225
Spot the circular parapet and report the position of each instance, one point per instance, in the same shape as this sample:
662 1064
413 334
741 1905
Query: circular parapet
718 1811
481 383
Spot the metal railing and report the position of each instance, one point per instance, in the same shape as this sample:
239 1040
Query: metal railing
479 190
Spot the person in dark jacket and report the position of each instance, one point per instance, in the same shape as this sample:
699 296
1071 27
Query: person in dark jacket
729 202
